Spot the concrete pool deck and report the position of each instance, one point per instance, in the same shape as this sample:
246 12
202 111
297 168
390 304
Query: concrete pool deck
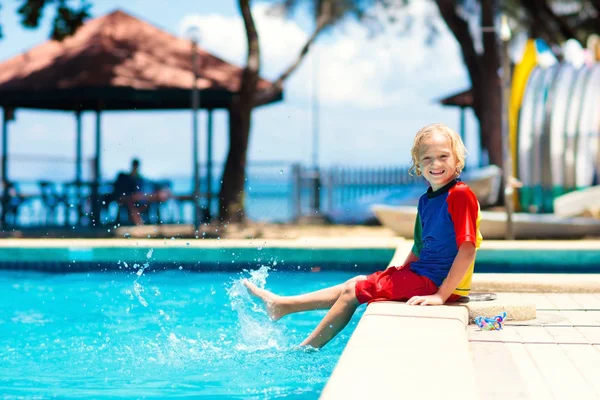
398 351
549 347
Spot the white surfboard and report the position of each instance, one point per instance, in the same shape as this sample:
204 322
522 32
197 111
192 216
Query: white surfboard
574 53
524 136
594 116
543 96
571 128
585 157
554 167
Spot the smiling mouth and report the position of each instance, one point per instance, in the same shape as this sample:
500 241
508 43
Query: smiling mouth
437 173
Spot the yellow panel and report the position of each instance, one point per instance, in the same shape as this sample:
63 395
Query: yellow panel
519 82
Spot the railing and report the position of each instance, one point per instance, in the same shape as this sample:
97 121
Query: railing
320 191
275 191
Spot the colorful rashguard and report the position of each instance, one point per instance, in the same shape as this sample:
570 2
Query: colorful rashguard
446 218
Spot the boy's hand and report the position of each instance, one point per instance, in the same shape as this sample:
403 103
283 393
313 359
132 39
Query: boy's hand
432 300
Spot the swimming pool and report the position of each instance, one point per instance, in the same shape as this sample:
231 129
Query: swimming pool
171 318
137 333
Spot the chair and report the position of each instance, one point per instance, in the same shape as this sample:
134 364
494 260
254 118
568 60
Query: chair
156 208
12 200
75 202
51 200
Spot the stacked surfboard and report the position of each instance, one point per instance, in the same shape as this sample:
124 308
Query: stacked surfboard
557 127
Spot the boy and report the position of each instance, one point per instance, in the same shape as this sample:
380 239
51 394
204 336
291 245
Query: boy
439 267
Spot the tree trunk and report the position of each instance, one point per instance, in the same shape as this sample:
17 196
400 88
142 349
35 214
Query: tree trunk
231 198
483 72
488 95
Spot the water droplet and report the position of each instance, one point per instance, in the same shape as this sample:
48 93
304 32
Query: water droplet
149 254
280 171
259 248
188 243
103 202
180 267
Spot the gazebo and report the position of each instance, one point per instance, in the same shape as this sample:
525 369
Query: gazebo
118 62
463 100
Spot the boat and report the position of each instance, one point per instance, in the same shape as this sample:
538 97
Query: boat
578 202
401 220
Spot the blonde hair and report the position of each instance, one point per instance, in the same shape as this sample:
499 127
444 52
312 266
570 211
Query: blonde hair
456 144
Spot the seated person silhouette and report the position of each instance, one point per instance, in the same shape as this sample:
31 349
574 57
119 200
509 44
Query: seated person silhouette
134 192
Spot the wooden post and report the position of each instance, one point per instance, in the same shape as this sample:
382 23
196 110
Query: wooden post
209 167
5 118
97 173
78 166
296 192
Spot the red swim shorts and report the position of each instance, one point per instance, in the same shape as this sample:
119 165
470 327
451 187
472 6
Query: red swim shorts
394 284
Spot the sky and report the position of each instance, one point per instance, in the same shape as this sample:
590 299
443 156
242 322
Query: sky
373 94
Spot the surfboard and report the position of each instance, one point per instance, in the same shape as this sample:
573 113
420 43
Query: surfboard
524 137
545 57
520 78
574 53
540 116
593 48
596 116
585 157
554 167
571 128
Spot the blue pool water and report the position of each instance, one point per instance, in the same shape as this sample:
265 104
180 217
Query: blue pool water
139 334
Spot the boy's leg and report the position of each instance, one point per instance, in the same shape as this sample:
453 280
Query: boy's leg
279 306
336 319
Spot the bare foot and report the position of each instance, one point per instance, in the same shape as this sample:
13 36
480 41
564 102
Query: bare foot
272 302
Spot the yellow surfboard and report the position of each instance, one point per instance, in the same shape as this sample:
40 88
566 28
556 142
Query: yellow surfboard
519 82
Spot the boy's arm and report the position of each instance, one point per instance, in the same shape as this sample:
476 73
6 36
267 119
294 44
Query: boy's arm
462 261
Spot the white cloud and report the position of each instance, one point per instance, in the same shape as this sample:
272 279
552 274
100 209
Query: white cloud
354 69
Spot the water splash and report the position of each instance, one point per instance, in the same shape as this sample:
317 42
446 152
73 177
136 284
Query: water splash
138 289
256 330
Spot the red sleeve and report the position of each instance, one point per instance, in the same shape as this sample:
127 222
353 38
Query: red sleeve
464 211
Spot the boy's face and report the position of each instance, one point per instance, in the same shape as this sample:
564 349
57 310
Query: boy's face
437 161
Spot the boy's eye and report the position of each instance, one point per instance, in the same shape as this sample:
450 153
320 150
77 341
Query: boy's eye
444 156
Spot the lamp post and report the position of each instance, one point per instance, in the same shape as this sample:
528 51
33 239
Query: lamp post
193 33
316 206
505 35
